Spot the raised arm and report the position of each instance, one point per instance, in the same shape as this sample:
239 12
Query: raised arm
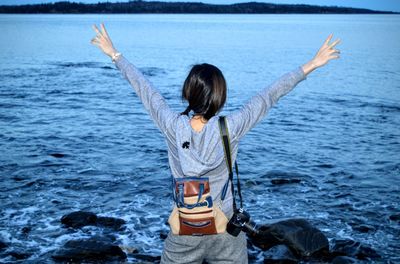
152 100
242 120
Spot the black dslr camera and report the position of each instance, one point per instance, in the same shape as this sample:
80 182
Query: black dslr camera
241 221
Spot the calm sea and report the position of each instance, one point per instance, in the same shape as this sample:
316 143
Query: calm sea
338 131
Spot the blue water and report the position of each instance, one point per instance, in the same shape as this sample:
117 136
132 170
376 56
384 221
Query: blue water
338 131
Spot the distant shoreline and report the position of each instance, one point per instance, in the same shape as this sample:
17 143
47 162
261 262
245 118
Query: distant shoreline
156 7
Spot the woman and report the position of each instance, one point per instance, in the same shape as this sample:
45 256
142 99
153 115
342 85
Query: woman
194 143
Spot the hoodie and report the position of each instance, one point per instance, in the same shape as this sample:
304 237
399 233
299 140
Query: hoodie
201 154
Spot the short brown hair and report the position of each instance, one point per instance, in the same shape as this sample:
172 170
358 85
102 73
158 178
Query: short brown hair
205 90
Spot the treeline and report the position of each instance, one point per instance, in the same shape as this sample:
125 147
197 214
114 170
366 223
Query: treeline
132 7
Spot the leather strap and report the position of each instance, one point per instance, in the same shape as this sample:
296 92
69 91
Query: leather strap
227 150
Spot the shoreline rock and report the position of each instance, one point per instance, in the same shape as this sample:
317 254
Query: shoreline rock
93 249
287 241
79 219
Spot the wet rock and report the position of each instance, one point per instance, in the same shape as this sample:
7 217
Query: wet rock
149 258
303 239
19 255
284 181
264 239
3 245
110 222
363 228
284 176
26 229
343 260
92 249
129 249
279 254
57 155
163 235
79 219
395 217
347 247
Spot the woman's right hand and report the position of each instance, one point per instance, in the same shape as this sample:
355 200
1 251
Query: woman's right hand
103 41
324 54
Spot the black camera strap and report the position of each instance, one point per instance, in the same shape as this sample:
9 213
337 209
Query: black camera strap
227 150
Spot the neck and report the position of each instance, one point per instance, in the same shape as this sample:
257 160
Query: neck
199 117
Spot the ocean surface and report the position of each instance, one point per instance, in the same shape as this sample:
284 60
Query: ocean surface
338 131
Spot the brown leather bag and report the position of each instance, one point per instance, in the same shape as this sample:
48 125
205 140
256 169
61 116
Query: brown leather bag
194 212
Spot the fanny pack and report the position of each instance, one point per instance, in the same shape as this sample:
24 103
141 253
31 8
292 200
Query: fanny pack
195 212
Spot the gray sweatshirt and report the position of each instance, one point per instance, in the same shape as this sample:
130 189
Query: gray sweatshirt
205 155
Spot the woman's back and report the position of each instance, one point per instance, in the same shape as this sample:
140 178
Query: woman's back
196 149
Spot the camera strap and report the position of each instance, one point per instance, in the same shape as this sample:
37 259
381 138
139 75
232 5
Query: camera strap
227 150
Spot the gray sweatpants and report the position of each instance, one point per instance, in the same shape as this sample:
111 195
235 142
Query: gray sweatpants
215 249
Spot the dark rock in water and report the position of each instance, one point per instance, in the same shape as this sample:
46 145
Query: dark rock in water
19 255
26 229
129 249
280 254
163 235
3 245
347 247
109 238
79 219
291 177
363 228
57 155
152 259
110 222
303 239
343 260
93 249
284 181
395 217
264 239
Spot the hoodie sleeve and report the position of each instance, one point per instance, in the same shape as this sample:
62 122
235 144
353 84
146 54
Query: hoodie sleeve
152 100
242 120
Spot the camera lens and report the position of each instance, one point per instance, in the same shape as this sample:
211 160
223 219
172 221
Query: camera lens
250 227
241 221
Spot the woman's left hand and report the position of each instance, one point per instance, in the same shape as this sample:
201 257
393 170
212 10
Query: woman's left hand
103 41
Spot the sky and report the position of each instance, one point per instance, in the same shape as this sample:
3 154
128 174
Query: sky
382 5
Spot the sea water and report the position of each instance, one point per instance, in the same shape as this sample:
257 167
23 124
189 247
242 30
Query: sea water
338 131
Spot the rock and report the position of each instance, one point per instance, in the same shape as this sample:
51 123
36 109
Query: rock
284 181
57 155
343 260
280 254
303 239
163 235
110 222
264 239
26 229
347 247
395 217
149 258
92 249
3 245
363 228
19 255
129 249
79 219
